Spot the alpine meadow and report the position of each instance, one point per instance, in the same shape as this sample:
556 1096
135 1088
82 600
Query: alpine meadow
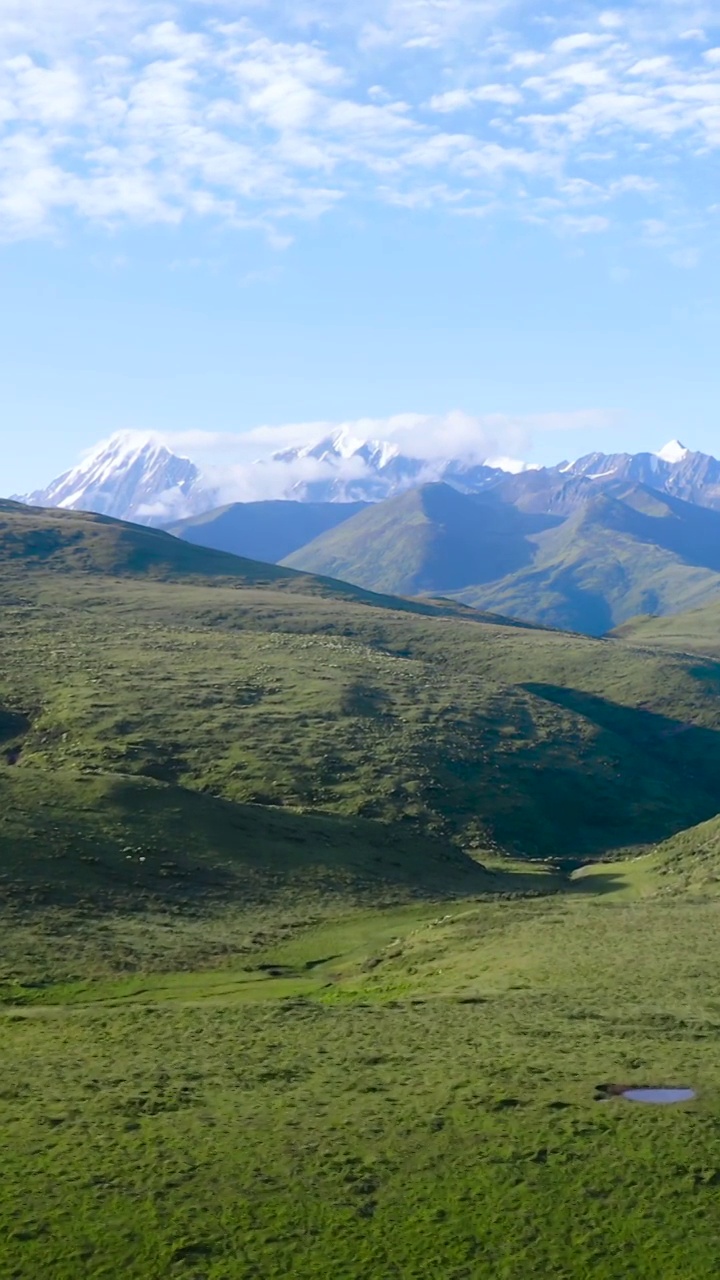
326 915
359 640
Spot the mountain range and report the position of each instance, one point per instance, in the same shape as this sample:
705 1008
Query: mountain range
135 477
138 478
583 545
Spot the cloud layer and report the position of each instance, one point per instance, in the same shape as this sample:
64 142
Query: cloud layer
260 115
263 463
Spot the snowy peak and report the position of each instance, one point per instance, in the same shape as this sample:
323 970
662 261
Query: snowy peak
673 452
342 446
134 476
341 467
130 477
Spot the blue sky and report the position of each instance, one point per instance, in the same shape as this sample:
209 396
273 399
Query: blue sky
220 218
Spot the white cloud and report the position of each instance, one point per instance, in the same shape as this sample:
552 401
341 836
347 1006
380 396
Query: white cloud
457 99
593 224
243 467
610 18
582 40
420 435
254 115
651 66
527 58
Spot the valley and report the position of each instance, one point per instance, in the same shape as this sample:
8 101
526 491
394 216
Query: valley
324 914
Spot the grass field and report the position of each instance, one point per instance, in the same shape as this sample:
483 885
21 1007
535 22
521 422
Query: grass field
394 1093
300 974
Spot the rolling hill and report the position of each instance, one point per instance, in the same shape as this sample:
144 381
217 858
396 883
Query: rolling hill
53 545
431 540
255 880
693 631
77 542
620 553
263 686
264 530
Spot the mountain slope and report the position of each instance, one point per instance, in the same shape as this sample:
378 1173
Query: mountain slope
114 843
633 552
129 477
430 540
56 545
79 542
264 530
300 693
624 551
692 631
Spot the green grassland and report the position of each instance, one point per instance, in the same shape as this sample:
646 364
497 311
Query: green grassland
696 631
298 972
300 693
388 1095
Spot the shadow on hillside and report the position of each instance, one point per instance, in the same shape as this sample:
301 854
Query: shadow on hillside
645 777
607 882
693 533
12 725
118 843
486 539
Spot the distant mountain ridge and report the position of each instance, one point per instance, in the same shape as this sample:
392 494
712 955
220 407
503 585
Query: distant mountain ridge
266 530
355 470
429 540
621 551
130 477
138 478
583 545
135 477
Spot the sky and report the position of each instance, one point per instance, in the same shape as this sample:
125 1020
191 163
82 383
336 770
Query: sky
244 221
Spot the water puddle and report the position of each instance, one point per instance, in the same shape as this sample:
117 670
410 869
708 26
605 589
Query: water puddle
661 1097
658 1095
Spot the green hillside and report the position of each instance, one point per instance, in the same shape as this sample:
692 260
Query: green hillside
693 631
430 540
618 556
301 692
267 531
80 542
275 999
53 545
691 860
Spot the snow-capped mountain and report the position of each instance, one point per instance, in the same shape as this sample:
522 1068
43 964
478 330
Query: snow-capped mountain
135 477
343 468
130 477
674 469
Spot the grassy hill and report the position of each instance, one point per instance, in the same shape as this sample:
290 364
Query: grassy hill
619 555
304 693
54 544
80 542
430 540
274 999
693 631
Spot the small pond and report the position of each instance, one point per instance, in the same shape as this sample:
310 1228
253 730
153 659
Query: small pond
661 1097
